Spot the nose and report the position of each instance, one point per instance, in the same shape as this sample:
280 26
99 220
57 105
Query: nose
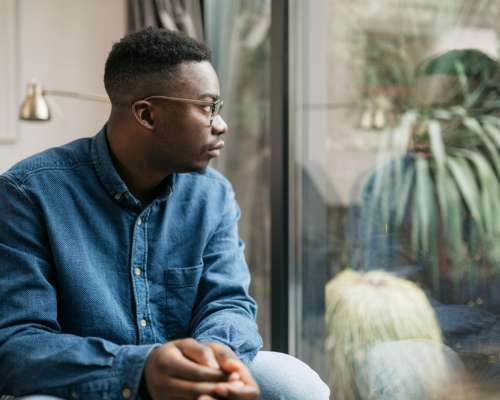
219 126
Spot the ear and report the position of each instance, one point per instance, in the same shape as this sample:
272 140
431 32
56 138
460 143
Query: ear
144 114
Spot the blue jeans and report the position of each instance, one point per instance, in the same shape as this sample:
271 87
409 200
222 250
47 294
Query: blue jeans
283 377
280 377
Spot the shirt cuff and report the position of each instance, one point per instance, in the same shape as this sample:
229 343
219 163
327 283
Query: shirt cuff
129 364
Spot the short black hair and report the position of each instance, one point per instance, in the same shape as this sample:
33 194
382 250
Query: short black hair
146 54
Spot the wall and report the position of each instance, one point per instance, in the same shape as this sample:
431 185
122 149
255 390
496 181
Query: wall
63 45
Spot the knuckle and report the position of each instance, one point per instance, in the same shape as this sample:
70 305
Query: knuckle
205 353
189 341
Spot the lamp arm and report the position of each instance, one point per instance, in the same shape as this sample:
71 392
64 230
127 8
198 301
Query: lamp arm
83 96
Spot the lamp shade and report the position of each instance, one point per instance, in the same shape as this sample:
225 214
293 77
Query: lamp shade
34 107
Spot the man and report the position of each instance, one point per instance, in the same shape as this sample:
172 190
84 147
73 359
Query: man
121 271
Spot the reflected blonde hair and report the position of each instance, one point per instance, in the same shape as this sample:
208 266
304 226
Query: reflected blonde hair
365 309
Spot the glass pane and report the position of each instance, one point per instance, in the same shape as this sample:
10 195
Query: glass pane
239 34
395 138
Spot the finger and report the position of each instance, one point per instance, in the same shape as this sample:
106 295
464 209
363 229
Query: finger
206 397
198 352
222 389
234 376
245 375
237 390
178 366
226 358
231 363
188 389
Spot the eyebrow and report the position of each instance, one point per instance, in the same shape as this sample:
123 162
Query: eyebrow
213 96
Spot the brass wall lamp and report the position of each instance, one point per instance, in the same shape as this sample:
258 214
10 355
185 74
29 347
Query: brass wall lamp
36 108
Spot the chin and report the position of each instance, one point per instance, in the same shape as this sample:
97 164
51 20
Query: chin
198 167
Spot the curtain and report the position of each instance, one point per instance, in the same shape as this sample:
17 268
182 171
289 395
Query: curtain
178 15
238 32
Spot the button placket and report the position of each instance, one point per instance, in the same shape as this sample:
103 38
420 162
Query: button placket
138 272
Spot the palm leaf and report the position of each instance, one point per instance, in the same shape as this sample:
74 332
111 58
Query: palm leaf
439 154
433 243
462 78
464 178
424 201
374 219
486 179
492 128
453 226
402 206
475 96
490 146
402 134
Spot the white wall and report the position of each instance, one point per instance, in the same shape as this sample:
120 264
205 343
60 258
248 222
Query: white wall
63 44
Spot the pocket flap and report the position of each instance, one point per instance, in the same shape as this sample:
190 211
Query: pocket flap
184 276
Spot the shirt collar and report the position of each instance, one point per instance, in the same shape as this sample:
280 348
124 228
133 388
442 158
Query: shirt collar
112 181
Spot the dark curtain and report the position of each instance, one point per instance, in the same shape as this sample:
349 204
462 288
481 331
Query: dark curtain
178 15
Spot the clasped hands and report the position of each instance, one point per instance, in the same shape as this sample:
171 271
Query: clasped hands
188 369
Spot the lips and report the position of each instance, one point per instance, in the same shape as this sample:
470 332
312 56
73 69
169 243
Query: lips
217 146
214 150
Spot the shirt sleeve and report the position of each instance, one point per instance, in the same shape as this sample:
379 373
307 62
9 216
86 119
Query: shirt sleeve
35 356
224 310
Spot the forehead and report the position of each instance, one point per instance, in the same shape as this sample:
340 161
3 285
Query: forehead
194 79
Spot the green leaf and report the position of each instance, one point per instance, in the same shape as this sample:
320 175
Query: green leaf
462 78
491 148
402 134
453 227
475 96
463 176
437 146
403 205
439 154
442 114
492 129
424 201
415 226
474 126
433 247
371 210
486 178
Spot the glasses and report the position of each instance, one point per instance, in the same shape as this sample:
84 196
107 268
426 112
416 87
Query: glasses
215 106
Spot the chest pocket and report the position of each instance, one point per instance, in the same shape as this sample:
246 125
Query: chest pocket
181 290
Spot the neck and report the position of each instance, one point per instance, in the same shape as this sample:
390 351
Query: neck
127 152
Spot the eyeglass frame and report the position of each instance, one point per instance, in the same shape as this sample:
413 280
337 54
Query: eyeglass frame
215 106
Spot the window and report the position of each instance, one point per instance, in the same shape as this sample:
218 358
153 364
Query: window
363 75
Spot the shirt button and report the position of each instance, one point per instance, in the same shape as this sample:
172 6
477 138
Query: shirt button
139 221
118 196
143 322
137 271
126 393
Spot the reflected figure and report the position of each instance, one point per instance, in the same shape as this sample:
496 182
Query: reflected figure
383 339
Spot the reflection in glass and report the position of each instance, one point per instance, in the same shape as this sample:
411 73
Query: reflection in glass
395 143
383 337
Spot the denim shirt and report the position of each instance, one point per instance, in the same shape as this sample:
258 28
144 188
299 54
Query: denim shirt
91 281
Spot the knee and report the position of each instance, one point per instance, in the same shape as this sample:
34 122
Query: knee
283 377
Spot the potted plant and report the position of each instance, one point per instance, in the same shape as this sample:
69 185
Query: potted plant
439 192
